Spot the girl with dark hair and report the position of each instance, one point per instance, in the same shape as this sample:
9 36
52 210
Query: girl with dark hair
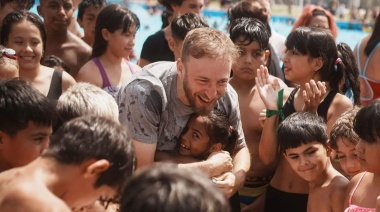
311 61
24 32
115 31
365 50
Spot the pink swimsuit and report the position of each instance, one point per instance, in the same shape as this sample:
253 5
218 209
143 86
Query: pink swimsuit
355 208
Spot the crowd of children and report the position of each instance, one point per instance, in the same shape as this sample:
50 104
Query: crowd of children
203 122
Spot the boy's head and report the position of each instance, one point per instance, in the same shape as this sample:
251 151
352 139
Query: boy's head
99 144
165 187
88 11
343 140
252 38
26 120
8 6
303 141
8 63
57 14
86 99
180 26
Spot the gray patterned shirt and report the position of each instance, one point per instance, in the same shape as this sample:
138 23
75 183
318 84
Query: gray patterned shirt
150 108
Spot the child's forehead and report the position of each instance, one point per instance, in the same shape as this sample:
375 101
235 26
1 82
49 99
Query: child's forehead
304 147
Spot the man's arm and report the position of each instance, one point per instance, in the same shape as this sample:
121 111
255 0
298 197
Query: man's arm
144 153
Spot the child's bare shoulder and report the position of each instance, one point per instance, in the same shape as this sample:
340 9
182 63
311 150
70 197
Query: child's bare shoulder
23 197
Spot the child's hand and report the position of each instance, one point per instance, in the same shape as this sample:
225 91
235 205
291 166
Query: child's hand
226 183
221 160
268 91
313 95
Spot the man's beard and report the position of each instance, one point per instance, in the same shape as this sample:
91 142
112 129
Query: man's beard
202 111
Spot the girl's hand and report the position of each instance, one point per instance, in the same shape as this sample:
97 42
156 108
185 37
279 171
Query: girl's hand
313 95
267 91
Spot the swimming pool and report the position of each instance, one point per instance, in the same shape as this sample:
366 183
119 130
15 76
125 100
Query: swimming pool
151 23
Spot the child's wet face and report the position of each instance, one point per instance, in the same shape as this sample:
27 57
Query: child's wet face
57 14
88 21
25 38
369 155
346 153
250 59
309 160
195 139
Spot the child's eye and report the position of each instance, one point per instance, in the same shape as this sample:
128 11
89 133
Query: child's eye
195 135
311 152
294 157
340 156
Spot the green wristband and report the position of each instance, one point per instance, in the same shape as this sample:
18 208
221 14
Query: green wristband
270 113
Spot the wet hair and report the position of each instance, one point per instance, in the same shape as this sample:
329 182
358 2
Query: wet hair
17 17
84 4
316 42
86 99
8 67
249 9
208 42
94 137
252 30
301 128
183 24
374 39
351 74
310 11
112 17
218 130
22 4
168 3
367 122
343 128
165 187
53 61
20 103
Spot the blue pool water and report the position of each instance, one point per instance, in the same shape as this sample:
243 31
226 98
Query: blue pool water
151 23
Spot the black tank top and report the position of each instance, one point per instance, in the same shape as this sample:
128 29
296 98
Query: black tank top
323 107
55 89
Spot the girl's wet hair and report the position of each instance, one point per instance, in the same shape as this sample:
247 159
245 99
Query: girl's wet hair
316 42
18 16
374 39
112 17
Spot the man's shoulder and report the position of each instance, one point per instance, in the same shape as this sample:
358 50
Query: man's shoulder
23 197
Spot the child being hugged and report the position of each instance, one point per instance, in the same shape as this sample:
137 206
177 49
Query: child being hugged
304 143
115 32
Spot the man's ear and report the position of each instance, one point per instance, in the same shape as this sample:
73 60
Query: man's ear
329 150
215 148
92 168
171 43
180 68
80 22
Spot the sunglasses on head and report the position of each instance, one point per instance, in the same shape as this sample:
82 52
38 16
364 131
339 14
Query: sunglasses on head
9 53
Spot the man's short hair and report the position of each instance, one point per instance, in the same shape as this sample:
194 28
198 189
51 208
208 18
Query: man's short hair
96 138
301 128
86 99
183 24
209 42
22 4
343 128
165 187
84 4
20 103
